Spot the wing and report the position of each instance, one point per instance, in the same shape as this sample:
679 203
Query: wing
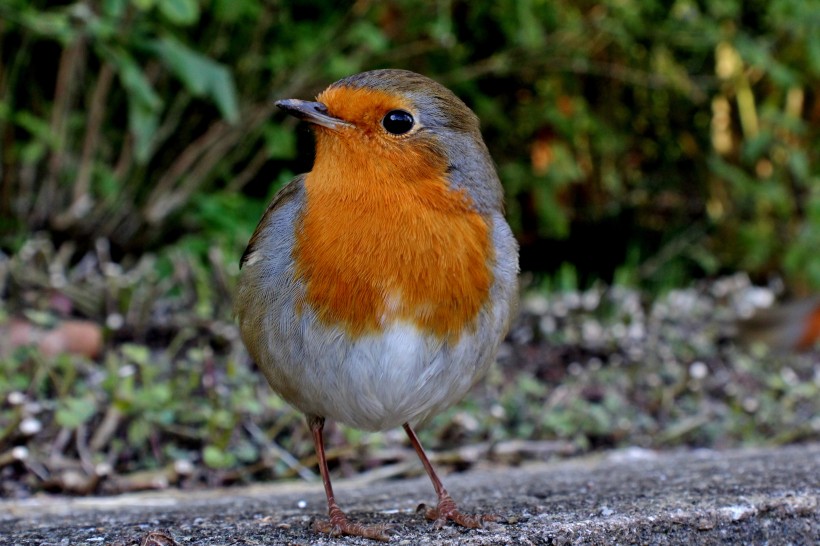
282 197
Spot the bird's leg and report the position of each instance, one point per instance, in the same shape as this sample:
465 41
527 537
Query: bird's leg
338 523
446 508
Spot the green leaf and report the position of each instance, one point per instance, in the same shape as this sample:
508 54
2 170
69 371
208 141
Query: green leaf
368 34
223 92
192 68
138 354
246 452
181 12
229 11
215 457
143 123
55 24
813 54
201 75
143 5
154 397
114 8
137 84
138 432
73 412
144 104
799 165
38 127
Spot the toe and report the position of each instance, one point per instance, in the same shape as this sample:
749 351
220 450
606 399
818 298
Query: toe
380 532
448 511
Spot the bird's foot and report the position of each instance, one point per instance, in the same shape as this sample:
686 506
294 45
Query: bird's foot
447 510
339 525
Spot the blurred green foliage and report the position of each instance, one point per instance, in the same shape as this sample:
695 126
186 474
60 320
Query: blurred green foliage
655 141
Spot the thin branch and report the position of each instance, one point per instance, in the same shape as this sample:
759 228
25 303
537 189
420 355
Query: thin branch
82 200
96 114
64 89
164 186
511 61
170 125
254 165
126 157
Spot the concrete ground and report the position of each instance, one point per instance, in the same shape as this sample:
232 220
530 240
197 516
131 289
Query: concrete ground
750 496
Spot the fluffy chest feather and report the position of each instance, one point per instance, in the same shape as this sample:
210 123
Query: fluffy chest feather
373 248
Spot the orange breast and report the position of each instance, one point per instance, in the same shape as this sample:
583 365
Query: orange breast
382 244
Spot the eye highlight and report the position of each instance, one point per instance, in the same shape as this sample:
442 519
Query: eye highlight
397 122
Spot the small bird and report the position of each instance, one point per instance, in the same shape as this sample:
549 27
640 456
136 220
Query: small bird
378 287
786 327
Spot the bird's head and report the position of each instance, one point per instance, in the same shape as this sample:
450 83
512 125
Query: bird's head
403 125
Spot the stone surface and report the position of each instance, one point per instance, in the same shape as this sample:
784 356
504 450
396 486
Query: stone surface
750 496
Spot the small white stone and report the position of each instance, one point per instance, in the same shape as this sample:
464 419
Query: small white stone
30 426
547 324
737 513
183 467
114 321
15 398
789 377
698 370
497 411
591 299
750 404
536 304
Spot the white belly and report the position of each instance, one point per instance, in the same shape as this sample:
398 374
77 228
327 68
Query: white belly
382 381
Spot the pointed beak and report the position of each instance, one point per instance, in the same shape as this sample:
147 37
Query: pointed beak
312 112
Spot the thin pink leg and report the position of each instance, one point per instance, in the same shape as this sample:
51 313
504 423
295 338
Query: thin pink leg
338 523
446 508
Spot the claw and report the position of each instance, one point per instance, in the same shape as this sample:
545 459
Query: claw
339 525
380 532
447 510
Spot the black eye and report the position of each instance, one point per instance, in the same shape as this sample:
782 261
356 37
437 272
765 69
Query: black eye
397 122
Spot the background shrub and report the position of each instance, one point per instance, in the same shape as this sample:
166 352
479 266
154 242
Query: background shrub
664 141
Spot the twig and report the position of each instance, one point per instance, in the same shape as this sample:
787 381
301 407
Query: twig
672 249
63 99
15 454
510 61
156 208
125 159
106 429
254 165
170 125
96 113
60 443
279 452
81 443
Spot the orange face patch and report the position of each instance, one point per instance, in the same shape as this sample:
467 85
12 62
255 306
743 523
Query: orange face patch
364 107
383 237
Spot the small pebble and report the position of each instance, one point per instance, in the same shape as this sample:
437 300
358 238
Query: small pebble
698 370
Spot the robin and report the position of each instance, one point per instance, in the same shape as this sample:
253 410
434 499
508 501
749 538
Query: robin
786 327
377 288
